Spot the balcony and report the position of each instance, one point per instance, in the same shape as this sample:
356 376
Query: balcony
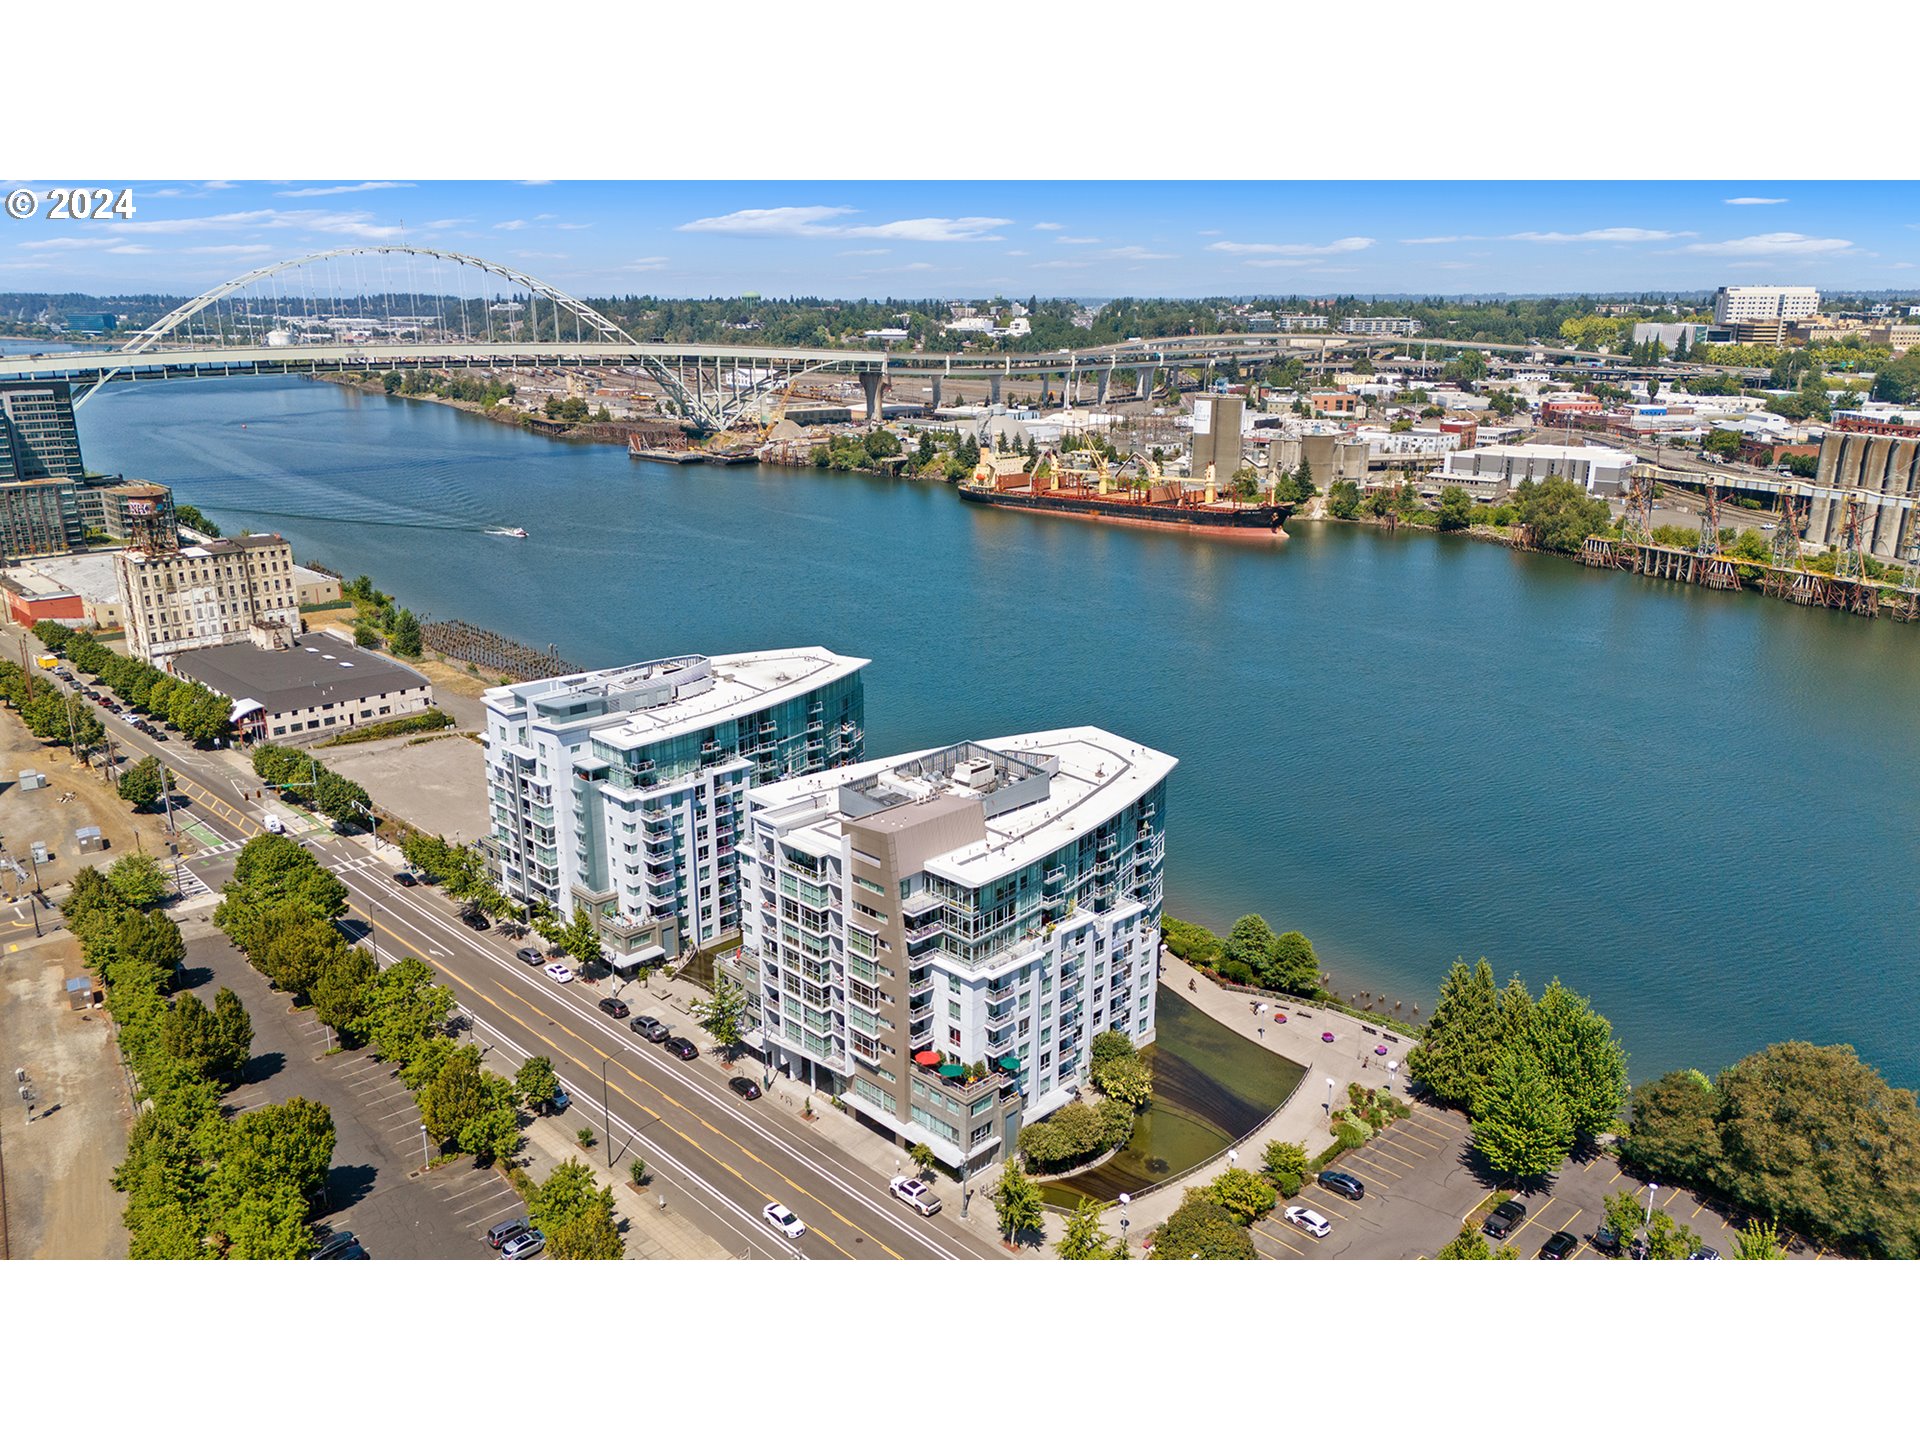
920 902
921 1013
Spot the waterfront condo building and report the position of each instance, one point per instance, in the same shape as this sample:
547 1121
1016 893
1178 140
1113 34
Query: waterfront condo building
38 439
624 790
936 938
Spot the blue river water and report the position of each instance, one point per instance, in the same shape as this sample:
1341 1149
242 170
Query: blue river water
1702 810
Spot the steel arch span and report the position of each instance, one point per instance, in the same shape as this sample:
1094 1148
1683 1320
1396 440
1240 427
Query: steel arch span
710 398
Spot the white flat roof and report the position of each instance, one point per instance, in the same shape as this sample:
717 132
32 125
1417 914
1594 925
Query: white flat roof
741 684
1099 775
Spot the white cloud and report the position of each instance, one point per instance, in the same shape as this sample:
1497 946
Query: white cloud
316 190
1061 265
355 223
1441 239
918 265
69 242
511 225
1048 225
1015 254
1756 200
1206 232
647 262
881 250
574 225
1333 247
226 250
1775 243
1078 239
812 220
1274 263
1138 252
1615 234
130 250
539 255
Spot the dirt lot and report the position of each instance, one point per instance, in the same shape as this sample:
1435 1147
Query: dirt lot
58 1201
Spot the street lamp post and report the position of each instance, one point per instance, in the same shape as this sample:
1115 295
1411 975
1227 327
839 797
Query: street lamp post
606 1113
1329 1097
1392 1067
425 1160
1651 1187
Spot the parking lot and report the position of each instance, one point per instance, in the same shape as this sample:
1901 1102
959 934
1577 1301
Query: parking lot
377 1187
1422 1185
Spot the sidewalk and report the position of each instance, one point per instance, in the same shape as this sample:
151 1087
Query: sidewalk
651 1233
1303 1119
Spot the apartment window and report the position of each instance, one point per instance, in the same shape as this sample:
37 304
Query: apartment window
868 885
953 1009
953 1035
980 1134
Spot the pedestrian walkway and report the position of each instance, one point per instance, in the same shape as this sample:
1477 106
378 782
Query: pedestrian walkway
1331 1067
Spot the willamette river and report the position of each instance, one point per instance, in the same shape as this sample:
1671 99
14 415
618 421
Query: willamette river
1702 810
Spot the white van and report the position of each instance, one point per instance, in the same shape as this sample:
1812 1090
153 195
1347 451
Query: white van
272 822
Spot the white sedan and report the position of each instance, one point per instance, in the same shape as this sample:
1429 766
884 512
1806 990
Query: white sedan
559 973
784 1220
1311 1221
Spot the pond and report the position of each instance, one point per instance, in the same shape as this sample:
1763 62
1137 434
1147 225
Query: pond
1210 1086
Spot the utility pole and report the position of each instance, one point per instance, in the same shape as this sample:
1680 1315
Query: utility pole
606 1113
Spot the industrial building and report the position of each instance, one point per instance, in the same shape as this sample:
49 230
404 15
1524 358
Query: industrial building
624 790
178 598
936 938
291 694
1494 470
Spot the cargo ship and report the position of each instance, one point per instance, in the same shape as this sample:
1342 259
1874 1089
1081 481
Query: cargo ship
1144 498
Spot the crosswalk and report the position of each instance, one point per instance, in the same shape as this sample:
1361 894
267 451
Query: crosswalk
192 887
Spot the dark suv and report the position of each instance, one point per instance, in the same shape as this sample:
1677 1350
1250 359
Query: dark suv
475 920
1506 1215
1559 1246
614 1007
1341 1183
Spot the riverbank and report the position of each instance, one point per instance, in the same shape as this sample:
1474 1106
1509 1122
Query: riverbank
597 432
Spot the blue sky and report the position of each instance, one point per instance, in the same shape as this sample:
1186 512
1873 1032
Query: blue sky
1090 238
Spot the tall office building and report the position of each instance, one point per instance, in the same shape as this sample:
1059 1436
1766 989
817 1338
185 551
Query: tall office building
38 439
1744 304
624 790
989 904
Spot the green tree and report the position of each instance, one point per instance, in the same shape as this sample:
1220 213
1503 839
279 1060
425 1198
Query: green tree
1674 1132
1461 1043
407 1010
268 1224
1017 1201
1577 1050
342 989
1456 508
1291 965
233 1032
406 635
140 784
1243 1195
1127 1079
723 1014
139 880
1086 1237
580 938
289 1144
148 937
1759 1240
1813 1135
1202 1229
921 1157
1343 499
1519 1124
1469 1244
1285 1166
1667 1239
567 1193
1559 514
1724 443
190 516
535 1083
590 1234
1249 946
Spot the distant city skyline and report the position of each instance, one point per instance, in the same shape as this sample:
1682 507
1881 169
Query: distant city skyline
864 239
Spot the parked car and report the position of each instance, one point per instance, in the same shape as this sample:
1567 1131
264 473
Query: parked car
531 954
559 974
1341 1183
1506 1215
1311 1221
475 919
1559 1246
648 1028
341 1245
744 1088
916 1193
1605 1241
507 1230
681 1046
784 1220
524 1246
616 1008
1704 1252
404 879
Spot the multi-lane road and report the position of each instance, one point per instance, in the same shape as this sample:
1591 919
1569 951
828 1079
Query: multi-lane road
719 1157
